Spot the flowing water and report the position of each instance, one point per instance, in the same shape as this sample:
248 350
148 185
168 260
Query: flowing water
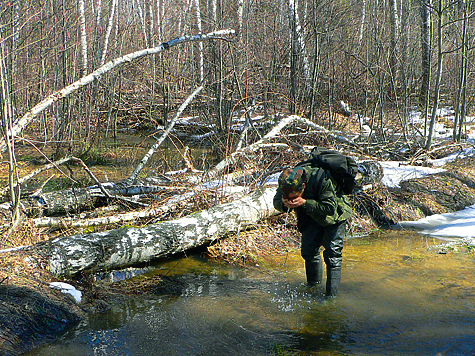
400 295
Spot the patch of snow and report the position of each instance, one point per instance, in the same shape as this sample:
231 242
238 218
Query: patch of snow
445 111
212 229
394 173
467 152
458 224
365 129
67 289
415 117
233 189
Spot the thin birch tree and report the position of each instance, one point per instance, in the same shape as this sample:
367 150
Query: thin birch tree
461 99
440 11
200 44
298 53
394 19
6 113
82 27
426 21
110 23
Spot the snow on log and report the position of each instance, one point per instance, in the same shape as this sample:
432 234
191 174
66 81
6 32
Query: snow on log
123 247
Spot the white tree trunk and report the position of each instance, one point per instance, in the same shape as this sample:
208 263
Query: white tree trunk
394 19
298 40
272 133
198 24
159 21
82 25
142 21
108 31
127 246
240 12
363 20
214 13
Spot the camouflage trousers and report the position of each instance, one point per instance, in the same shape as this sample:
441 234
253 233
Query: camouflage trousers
330 237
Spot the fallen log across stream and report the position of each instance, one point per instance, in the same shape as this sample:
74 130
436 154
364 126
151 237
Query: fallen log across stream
67 256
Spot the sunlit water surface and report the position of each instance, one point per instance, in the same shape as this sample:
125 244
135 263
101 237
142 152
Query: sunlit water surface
399 296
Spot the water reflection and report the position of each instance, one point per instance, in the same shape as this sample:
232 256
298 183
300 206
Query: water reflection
398 296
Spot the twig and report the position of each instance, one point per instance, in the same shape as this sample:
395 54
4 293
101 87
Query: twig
83 165
38 171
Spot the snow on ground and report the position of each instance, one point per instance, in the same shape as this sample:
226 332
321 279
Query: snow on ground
445 115
467 152
394 173
458 224
67 289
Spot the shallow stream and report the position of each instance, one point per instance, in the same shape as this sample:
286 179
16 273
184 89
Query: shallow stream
401 294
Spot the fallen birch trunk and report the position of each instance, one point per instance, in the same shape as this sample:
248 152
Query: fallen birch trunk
123 247
80 222
286 121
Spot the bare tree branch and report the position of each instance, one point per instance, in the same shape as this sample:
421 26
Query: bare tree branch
157 144
47 102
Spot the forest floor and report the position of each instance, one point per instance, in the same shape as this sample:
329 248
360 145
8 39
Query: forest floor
32 313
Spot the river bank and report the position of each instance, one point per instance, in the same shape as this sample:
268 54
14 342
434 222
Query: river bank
32 313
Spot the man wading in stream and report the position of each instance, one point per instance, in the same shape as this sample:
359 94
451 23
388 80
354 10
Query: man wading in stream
322 211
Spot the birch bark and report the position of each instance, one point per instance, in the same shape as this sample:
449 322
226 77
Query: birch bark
198 24
394 17
108 31
82 26
298 54
440 59
363 20
240 12
426 48
123 247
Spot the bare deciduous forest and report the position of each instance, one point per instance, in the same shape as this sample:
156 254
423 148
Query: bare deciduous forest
78 74
133 130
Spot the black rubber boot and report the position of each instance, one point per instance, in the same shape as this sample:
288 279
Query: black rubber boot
333 281
314 271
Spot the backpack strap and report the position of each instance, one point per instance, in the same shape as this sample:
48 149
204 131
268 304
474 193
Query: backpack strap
317 180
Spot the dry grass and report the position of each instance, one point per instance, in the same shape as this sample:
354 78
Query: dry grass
25 234
249 247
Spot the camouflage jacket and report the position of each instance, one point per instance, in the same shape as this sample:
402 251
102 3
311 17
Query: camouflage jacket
325 205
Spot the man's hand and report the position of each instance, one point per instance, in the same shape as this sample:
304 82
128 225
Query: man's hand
294 203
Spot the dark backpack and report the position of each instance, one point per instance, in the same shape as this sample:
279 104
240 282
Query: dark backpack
342 169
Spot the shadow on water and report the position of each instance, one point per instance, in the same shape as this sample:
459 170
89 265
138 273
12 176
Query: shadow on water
399 296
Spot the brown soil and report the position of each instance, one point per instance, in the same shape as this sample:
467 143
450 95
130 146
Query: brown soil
31 313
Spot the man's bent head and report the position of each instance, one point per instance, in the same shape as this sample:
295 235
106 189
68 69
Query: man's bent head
292 181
